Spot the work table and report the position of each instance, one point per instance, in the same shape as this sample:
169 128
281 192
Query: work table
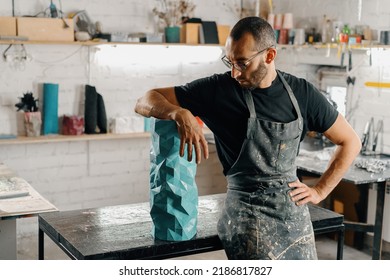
313 161
314 156
18 199
124 231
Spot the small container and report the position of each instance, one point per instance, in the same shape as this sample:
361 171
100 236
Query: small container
384 37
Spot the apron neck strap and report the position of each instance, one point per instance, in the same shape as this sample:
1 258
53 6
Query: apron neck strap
291 94
249 103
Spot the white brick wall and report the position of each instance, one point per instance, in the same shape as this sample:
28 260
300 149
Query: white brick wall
89 174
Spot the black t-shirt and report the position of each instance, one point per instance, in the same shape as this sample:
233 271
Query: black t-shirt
219 101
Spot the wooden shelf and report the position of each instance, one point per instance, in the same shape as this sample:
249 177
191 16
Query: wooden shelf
95 43
72 138
335 46
84 137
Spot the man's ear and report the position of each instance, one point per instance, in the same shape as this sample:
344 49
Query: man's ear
271 54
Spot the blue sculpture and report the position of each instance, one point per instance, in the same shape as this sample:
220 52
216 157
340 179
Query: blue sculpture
173 190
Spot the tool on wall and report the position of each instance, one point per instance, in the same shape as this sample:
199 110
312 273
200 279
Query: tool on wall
18 57
366 134
371 132
379 129
349 59
55 13
53 10
352 100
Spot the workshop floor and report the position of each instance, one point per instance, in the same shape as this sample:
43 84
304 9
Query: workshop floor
326 249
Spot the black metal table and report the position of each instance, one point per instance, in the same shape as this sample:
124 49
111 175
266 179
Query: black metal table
124 231
362 179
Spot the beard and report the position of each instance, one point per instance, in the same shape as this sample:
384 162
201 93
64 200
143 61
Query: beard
255 77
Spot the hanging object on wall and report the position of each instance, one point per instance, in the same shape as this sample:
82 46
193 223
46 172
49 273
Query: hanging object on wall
173 190
50 108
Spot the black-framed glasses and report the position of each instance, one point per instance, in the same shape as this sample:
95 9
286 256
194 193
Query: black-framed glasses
241 65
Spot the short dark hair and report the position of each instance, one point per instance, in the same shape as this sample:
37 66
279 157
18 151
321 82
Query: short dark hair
260 29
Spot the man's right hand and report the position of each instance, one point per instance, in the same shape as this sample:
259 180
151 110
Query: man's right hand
191 135
161 103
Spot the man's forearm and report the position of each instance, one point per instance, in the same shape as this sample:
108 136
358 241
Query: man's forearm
153 104
339 164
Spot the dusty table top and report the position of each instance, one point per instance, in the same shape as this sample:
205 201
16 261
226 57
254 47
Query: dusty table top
124 231
18 198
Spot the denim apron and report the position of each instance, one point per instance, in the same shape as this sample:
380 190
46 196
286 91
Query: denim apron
259 220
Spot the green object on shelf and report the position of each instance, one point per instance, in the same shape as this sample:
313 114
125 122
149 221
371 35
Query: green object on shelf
172 34
173 190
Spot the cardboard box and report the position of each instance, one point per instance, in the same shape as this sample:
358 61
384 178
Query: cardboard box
46 29
7 26
190 33
223 33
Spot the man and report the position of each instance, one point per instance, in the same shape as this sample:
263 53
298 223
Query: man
258 116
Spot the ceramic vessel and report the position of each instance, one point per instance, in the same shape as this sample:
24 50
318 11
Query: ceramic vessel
173 190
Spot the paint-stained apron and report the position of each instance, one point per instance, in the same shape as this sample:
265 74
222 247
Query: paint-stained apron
259 220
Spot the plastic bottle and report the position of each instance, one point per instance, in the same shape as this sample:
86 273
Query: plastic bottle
324 30
335 34
329 31
326 35
344 35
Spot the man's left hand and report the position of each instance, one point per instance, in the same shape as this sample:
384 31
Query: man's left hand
302 194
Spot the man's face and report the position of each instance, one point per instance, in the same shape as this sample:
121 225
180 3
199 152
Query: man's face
249 68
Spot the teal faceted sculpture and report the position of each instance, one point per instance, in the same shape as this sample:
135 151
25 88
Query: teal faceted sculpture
173 191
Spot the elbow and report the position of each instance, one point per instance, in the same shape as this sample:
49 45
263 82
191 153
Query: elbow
351 145
359 147
356 145
137 106
142 107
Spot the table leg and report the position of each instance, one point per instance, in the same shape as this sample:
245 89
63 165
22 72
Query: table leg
8 239
361 211
380 202
340 244
41 252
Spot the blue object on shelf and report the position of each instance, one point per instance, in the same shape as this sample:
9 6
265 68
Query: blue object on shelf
147 122
7 136
173 190
50 108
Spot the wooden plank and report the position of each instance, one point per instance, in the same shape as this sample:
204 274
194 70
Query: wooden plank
7 26
72 138
46 29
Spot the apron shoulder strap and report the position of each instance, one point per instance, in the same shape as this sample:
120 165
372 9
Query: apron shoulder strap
249 102
292 98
